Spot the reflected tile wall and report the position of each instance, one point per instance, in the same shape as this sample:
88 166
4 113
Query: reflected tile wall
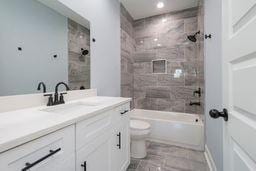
127 50
79 66
164 37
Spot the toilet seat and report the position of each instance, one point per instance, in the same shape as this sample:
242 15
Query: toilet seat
139 125
139 129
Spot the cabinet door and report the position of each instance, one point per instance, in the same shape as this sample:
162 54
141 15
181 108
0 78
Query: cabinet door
121 147
96 156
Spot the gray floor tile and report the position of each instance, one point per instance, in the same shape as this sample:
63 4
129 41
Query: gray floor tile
134 164
163 157
178 163
148 166
157 160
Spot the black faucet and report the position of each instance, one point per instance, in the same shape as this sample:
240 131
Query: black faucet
57 99
195 104
39 87
198 91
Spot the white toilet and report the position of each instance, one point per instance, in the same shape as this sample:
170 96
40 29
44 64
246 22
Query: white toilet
139 132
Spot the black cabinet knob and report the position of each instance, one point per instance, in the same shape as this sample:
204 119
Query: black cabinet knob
216 114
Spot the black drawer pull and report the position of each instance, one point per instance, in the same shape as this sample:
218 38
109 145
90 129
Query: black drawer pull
119 140
124 112
30 165
84 166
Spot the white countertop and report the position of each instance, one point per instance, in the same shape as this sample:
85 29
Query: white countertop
21 126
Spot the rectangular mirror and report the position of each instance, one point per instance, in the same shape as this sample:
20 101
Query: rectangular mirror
42 41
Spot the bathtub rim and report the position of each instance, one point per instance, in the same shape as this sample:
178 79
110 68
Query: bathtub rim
199 147
199 123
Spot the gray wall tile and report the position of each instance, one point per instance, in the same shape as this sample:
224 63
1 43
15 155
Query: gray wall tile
150 39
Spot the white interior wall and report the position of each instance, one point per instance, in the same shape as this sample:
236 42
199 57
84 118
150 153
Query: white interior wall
213 80
104 17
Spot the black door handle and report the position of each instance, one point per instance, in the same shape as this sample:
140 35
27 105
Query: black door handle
216 114
84 166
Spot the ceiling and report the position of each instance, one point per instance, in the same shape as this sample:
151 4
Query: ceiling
146 8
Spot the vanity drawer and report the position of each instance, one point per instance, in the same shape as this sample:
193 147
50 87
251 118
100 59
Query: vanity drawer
120 112
53 152
90 129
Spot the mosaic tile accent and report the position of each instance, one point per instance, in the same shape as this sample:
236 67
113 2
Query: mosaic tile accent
159 66
163 157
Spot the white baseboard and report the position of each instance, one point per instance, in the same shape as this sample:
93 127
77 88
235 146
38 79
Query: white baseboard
209 159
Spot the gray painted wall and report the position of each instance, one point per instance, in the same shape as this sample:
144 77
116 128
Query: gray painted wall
104 17
213 80
35 28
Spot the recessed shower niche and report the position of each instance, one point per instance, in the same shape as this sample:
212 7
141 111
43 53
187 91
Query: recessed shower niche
159 66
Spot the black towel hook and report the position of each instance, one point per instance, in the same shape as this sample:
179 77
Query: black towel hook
209 36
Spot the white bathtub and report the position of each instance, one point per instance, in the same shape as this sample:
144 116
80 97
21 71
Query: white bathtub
180 129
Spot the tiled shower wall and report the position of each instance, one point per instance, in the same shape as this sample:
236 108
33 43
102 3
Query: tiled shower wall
127 51
79 65
164 37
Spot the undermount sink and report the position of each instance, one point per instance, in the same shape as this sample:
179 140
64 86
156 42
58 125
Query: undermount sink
90 103
71 108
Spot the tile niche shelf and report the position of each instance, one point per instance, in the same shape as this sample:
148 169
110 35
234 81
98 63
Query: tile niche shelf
159 66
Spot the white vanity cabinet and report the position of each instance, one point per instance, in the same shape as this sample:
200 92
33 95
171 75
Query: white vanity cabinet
96 155
53 152
98 143
121 139
93 143
103 142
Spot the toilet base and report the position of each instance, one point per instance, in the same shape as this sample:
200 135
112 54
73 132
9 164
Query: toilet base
138 148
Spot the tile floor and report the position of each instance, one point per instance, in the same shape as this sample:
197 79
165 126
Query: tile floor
162 157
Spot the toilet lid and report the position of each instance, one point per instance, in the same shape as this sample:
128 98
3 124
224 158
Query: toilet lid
137 124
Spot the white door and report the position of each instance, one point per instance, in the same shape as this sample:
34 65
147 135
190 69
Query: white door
239 84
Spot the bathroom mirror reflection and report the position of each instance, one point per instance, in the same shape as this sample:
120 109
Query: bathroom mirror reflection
55 48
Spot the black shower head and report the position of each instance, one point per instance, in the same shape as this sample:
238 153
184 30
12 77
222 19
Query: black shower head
192 38
84 52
